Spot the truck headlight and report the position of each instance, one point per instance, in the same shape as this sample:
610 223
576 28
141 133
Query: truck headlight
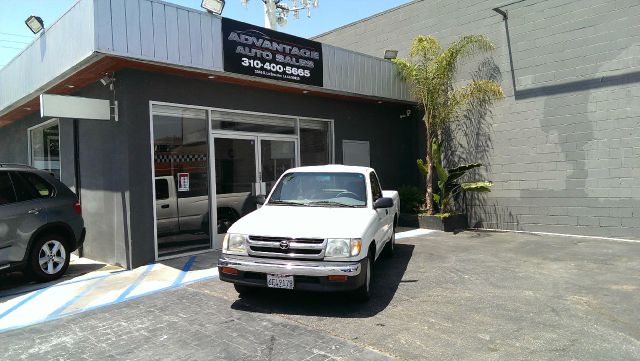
234 243
343 247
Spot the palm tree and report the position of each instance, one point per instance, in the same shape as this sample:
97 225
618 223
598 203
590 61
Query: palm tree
430 71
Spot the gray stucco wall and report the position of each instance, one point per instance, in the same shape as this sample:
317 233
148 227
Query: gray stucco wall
103 174
563 148
393 144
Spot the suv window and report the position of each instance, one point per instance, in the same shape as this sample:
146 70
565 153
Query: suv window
43 188
24 191
376 191
7 194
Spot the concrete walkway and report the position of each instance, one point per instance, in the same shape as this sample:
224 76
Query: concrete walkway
99 289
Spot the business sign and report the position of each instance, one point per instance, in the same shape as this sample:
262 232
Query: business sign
252 50
67 106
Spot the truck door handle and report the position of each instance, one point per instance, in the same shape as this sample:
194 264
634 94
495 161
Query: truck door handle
34 211
164 206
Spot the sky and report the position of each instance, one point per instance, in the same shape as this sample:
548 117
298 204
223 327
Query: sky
15 36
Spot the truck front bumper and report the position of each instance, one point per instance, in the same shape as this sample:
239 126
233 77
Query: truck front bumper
308 275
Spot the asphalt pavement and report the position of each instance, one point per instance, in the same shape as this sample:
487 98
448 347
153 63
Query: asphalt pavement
466 296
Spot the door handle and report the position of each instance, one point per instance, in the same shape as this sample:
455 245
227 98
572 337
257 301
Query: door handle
164 206
34 211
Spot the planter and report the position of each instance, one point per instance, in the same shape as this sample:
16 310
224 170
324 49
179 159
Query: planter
408 220
448 224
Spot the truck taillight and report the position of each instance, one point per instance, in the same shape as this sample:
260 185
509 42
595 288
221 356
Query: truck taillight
77 207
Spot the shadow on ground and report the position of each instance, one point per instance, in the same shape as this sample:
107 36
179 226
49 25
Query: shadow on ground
14 284
387 276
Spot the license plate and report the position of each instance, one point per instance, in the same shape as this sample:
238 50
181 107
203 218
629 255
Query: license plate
280 281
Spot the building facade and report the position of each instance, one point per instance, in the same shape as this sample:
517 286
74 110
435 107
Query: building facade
193 137
563 147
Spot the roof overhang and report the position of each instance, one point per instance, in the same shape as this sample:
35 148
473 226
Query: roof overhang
99 36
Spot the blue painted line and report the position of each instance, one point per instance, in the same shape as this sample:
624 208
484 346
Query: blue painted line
109 303
187 266
70 282
75 299
135 283
21 303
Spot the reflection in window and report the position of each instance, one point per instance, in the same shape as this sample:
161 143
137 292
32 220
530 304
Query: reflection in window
45 147
181 164
315 142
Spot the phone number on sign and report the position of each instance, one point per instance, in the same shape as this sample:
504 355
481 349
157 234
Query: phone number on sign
275 67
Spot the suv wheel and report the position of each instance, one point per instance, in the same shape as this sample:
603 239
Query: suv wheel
49 258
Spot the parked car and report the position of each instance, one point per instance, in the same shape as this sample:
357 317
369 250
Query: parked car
40 223
188 212
320 229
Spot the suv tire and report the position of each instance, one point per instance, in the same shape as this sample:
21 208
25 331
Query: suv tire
49 258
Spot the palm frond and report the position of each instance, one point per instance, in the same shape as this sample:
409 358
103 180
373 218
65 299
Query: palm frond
479 186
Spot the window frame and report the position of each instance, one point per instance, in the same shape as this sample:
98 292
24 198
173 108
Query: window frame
44 124
373 177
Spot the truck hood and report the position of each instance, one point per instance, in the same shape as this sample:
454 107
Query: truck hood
306 222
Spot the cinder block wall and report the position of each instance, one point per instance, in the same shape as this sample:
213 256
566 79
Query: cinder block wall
564 147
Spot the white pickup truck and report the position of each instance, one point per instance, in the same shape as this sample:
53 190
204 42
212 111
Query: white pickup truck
321 229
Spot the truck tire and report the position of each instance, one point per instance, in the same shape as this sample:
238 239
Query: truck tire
49 258
363 293
390 247
242 289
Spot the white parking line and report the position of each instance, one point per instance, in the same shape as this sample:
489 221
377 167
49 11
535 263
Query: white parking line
414 233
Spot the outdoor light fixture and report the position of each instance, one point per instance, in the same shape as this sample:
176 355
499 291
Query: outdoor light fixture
34 23
390 54
213 6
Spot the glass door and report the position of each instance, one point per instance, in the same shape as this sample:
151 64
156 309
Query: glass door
246 166
276 156
236 178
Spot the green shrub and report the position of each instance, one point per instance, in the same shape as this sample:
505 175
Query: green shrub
411 199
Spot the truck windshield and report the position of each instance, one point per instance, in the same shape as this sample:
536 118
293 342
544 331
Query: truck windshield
320 190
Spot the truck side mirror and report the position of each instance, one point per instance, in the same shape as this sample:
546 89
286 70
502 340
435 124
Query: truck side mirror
261 199
383 202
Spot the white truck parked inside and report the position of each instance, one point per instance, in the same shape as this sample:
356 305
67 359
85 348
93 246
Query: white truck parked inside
321 228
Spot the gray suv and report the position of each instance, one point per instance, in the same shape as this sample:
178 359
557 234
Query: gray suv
40 223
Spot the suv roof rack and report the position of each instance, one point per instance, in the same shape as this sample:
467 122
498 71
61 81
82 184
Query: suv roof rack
15 165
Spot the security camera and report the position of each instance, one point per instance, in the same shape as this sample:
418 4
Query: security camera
408 112
105 80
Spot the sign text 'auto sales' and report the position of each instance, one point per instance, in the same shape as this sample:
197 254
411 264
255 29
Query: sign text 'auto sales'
265 53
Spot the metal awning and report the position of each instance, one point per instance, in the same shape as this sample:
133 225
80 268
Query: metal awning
98 35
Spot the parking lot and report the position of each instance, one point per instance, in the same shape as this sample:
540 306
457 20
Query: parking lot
472 295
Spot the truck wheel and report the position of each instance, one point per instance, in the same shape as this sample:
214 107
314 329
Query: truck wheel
390 247
242 289
49 258
363 293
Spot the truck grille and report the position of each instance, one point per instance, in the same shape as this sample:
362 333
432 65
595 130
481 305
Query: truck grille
283 247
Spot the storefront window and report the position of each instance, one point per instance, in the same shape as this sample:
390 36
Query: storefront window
316 147
45 147
181 164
